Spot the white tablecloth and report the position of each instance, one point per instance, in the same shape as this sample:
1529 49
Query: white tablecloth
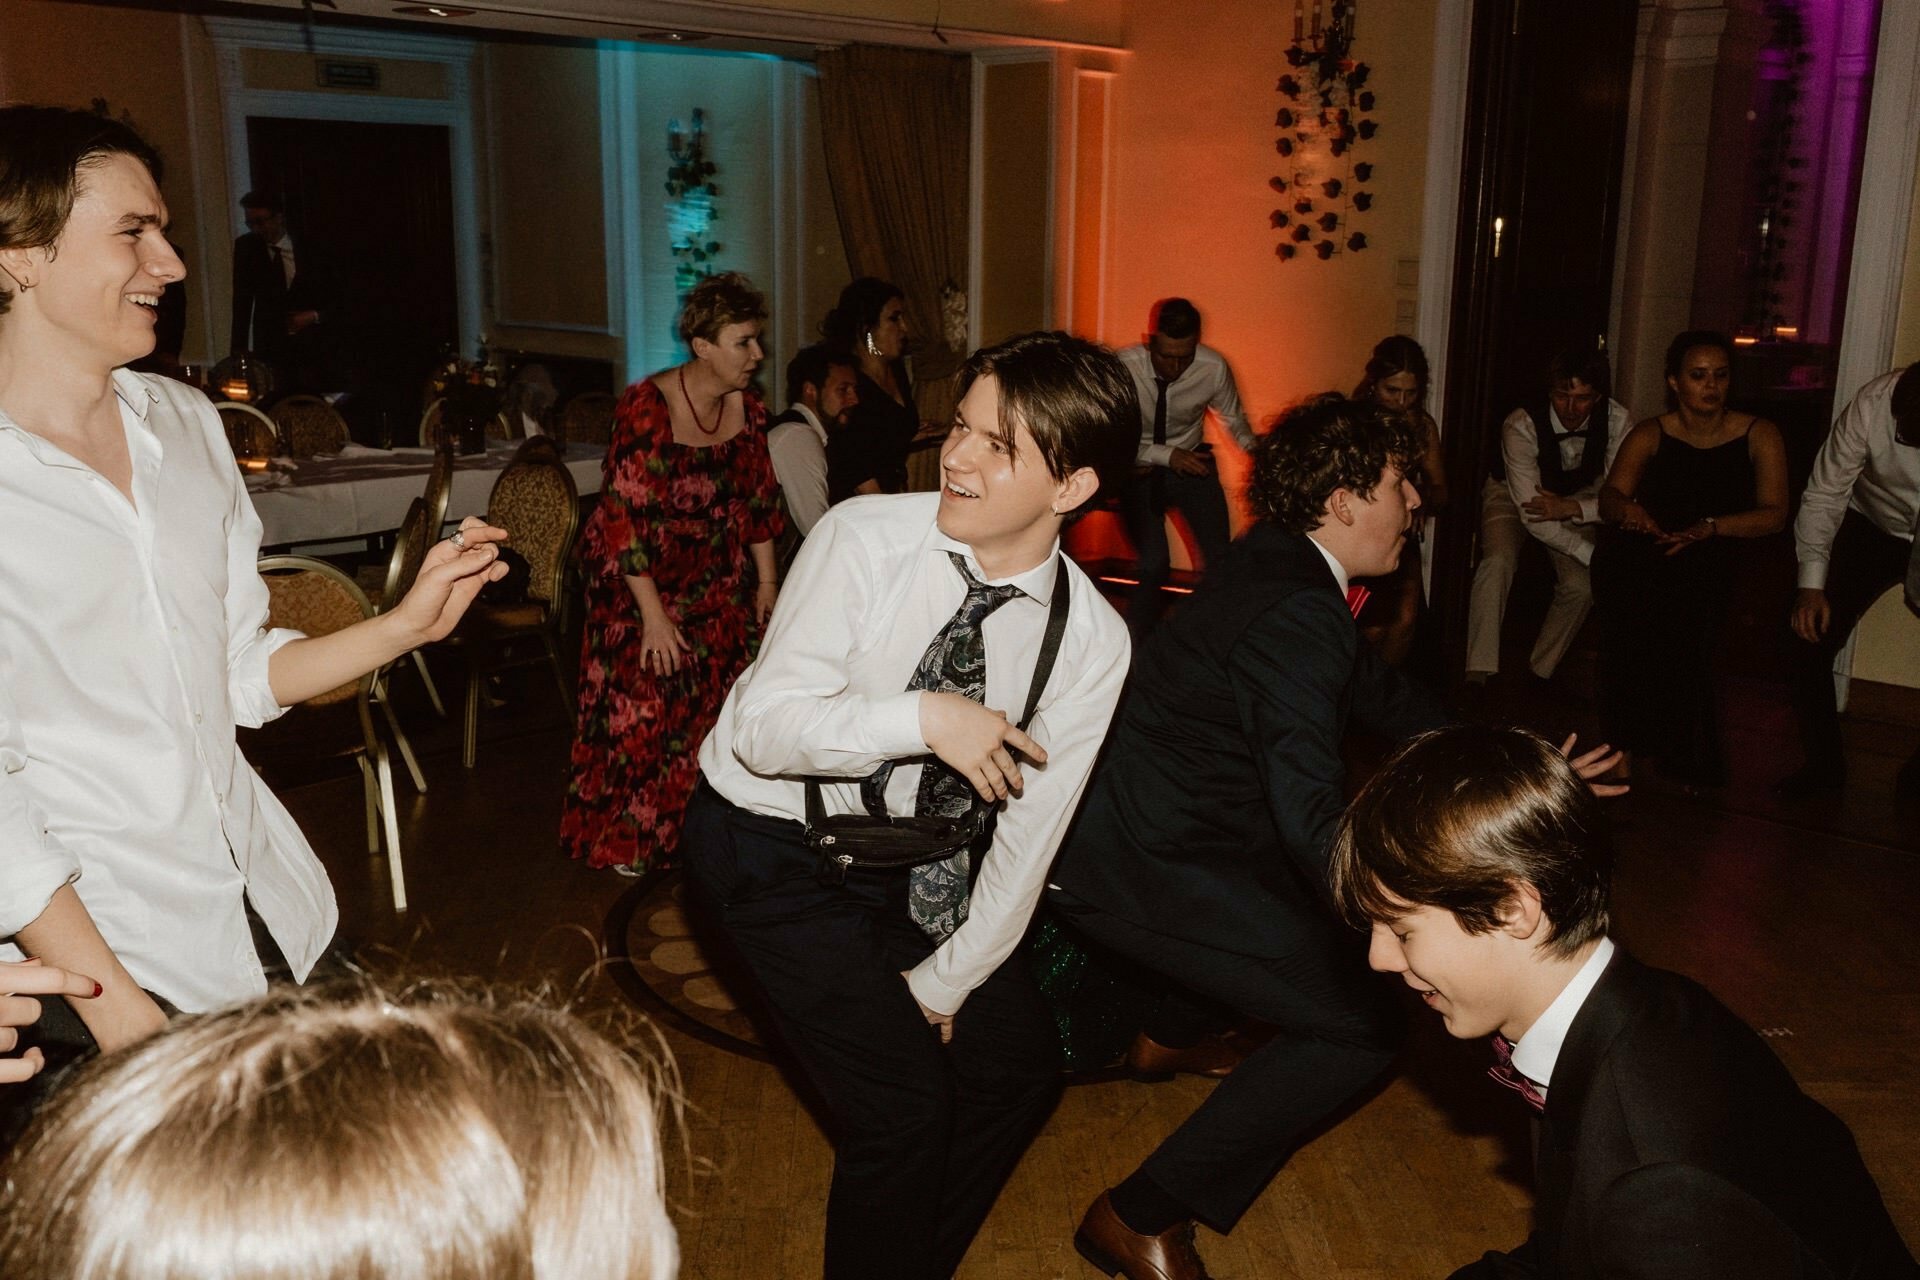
366 491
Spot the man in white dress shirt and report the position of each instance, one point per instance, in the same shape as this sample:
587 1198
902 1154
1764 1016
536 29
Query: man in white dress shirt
1177 381
1555 455
1854 538
821 388
887 590
134 839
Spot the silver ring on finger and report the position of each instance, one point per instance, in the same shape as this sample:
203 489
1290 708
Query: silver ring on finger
459 539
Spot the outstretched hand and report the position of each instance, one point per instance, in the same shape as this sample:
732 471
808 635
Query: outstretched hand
450 577
1594 765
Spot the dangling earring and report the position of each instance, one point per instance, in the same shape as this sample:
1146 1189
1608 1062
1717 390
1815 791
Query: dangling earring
873 348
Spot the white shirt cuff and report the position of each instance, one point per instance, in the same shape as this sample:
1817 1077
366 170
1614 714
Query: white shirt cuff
1813 575
896 724
931 992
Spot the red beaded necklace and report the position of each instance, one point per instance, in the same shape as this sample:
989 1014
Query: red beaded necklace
720 409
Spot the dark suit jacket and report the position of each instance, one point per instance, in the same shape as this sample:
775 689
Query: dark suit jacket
262 298
1212 812
1675 1145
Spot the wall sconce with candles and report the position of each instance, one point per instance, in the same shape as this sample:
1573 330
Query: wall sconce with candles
1326 117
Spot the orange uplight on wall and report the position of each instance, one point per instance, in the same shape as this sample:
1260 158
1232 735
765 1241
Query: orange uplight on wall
1744 340
1787 332
236 389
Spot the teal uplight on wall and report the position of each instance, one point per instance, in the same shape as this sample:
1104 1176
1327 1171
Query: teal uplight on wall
691 210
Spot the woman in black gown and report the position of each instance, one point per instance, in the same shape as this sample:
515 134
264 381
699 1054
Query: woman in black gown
1682 485
869 453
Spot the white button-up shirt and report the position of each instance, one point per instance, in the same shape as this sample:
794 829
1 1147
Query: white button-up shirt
1520 450
1205 384
871 587
1863 467
1536 1053
799 453
133 640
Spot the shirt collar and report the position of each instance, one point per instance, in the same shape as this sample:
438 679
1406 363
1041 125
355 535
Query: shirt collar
134 392
1535 1053
1339 570
1036 583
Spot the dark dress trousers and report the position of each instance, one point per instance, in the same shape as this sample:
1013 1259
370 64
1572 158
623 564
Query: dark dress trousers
1201 850
1675 1145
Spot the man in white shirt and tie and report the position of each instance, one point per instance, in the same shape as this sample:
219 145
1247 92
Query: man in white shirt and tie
1555 454
895 669
1854 538
1178 380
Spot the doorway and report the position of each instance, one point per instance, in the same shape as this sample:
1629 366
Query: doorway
371 205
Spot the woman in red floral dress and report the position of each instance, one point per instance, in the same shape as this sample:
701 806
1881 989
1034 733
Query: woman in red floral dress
679 566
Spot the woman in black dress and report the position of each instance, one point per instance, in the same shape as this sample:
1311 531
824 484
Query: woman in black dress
1682 485
869 453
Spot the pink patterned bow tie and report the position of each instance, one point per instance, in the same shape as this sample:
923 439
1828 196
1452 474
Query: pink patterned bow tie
1503 1072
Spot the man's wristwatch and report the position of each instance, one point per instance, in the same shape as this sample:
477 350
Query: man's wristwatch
1713 528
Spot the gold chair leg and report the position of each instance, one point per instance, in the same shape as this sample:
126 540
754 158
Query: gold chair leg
392 820
371 791
470 738
433 690
399 735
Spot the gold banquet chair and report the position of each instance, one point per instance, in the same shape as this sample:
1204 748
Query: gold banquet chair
310 426
535 501
314 597
588 418
498 428
251 433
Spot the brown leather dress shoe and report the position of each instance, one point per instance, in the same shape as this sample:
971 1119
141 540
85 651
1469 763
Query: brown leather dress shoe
1214 1057
1115 1249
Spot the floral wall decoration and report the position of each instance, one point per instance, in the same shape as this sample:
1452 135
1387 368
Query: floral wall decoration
1325 120
690 211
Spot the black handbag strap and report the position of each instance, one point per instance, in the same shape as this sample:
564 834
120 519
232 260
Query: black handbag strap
1057 611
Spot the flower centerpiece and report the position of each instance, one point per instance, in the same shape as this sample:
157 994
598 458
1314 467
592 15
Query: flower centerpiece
469 396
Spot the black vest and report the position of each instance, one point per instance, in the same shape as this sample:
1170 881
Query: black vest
1561 480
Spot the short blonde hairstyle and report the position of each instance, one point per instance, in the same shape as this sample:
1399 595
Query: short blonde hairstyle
718 301
346 1134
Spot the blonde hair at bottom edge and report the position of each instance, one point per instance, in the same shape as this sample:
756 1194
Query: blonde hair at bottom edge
346 1133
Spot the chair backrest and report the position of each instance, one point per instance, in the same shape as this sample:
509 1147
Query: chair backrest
311 426
430 423
535 501
251 432
410 546
439 490
312 596
501 427
588 418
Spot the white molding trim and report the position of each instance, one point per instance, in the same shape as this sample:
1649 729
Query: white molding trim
214 333
454 112
620 193
1440 211
1887 165
788 152
1629 170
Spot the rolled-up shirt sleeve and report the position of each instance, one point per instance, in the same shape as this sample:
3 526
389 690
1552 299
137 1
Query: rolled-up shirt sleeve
33 864
1823 505
250 641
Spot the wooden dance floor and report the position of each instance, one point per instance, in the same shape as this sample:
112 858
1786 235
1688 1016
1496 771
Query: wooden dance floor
1802 918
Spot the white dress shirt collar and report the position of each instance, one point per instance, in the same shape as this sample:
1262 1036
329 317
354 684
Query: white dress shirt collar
1035 583
1339 570
1535 1053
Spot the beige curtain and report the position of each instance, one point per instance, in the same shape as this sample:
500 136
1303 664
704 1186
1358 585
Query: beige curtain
896 125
